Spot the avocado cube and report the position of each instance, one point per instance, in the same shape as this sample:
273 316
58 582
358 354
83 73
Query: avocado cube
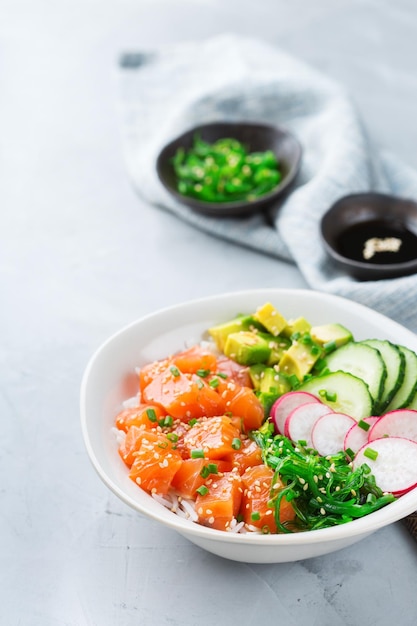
256 373
278 346
220 332
299 359
273 384
298 325
331 335
270 318
246 348
267 400
274 381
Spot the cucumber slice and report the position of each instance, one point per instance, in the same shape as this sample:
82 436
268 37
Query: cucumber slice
394 361
405 397
361 361
351 394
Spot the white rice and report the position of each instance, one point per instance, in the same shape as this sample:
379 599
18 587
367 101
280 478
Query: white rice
131 403
119 435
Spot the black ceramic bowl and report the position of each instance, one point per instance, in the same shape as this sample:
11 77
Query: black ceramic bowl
257 138
372 236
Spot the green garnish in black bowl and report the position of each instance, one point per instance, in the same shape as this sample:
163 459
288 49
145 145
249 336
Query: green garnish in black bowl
228 169
225 171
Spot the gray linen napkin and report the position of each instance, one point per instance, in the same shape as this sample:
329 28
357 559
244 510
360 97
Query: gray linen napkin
229 77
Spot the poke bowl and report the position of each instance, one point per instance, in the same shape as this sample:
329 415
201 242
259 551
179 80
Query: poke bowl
111 380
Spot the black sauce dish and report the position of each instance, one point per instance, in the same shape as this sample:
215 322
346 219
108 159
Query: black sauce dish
372 236
257 137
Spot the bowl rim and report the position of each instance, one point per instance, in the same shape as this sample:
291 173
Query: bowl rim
236 205
391 513
364 265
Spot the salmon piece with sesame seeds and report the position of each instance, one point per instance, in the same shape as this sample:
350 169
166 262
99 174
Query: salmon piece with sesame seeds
194 360
243 403
234 371
130 444
184 396
156 461
194 473
259 485
144 415
215 437
248 455
219 503
148 372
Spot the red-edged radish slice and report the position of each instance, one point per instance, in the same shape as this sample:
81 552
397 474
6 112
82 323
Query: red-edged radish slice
329 432
399 423
300 422
393 462
287 403
357 436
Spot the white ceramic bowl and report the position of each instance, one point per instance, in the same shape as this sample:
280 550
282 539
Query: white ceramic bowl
109 379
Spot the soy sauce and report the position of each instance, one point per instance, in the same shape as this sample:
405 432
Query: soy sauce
351 243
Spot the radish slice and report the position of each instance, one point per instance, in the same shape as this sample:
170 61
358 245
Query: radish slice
357 436
287 403
300 422
393 462
400 423
329 432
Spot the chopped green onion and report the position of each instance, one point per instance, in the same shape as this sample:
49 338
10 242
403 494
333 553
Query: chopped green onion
166 421
293 380
197 454
222 375
172 437
193 422
364 425
349 452
202 373
255 516
151 415
370 453
214 383
200 384
211 468
205 472
174 371
320 364
203 490
236 443
329 346
327 395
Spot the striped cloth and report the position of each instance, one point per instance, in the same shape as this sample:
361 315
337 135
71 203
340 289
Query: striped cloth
231 78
